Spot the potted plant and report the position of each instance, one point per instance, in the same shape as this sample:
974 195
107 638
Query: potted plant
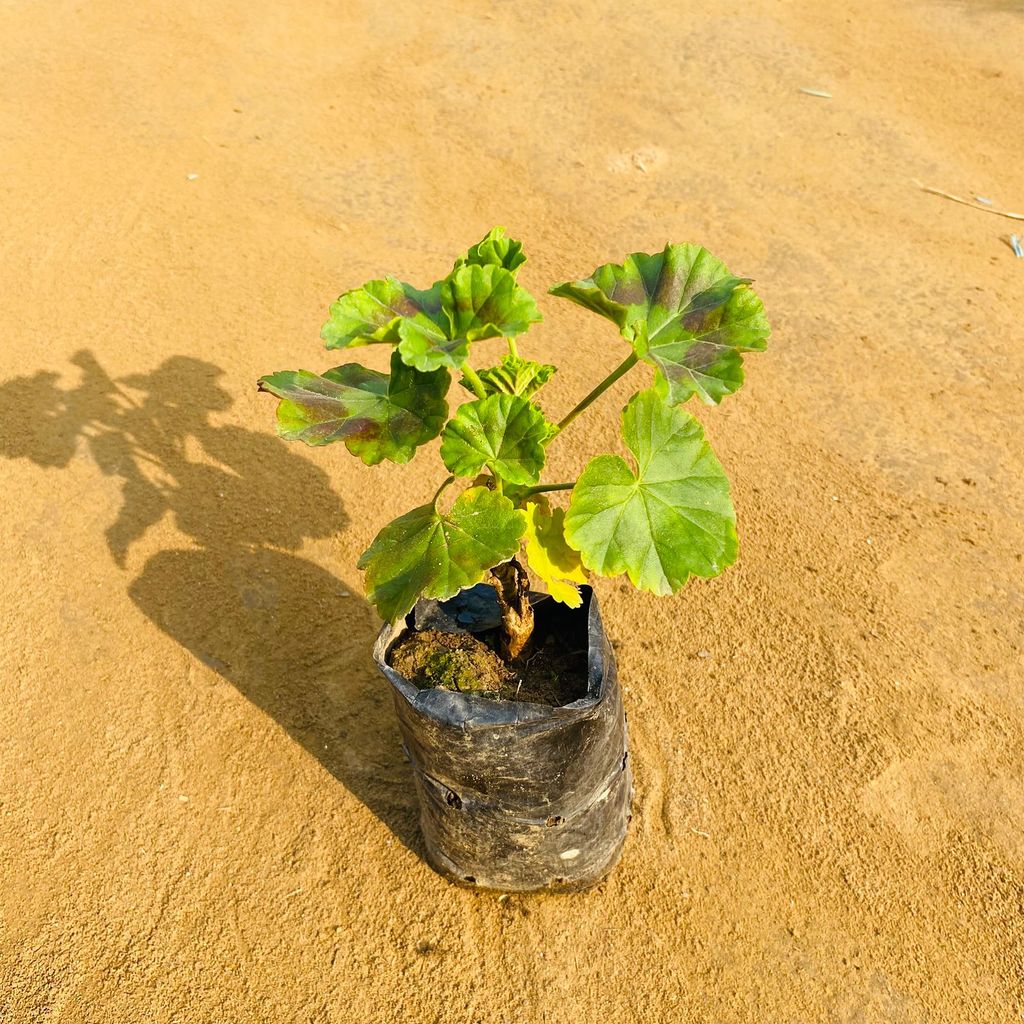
507 697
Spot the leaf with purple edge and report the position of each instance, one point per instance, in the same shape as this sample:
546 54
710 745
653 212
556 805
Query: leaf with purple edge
374 314
684 313
378 416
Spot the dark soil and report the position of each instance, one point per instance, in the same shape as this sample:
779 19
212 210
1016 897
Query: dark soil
553 675
452 661
553 670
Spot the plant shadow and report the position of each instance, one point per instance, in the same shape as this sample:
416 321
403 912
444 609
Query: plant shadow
283 630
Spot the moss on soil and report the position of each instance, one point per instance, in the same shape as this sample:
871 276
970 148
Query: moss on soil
452 661
459 661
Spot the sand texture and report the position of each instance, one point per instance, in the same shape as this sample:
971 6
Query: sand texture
205 814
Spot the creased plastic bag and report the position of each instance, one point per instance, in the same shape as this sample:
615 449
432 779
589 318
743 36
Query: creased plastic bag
518 796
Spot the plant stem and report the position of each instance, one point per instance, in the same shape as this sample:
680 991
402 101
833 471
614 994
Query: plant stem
438 492
474 381
627 364
541 488
512 585
512 350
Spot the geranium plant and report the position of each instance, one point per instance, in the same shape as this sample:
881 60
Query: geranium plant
660 517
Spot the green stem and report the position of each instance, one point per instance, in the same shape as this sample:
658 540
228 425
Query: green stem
512 350
437 494
541 488
474 381
624 367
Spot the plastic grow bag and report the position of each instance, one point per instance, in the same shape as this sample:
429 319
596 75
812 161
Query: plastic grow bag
517 796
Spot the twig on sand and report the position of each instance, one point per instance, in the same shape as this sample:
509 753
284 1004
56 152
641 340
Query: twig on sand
967 202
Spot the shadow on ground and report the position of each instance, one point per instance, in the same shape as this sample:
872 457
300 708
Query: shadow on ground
283 630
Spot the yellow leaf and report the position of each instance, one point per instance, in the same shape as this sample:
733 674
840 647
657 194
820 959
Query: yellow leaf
549 556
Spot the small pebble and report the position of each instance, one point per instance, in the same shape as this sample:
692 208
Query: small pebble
191 177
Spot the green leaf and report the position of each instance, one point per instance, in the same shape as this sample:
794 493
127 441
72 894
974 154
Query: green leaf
477 302
548 555
494 248
506 433
684 313
667 519
434 328
513 376
430 349
374 313
378 416
700 352
486 302
427 554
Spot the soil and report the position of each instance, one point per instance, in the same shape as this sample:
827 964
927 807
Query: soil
451 661
552 674
205 811
550 671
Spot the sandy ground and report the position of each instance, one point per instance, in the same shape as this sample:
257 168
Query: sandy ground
204 811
